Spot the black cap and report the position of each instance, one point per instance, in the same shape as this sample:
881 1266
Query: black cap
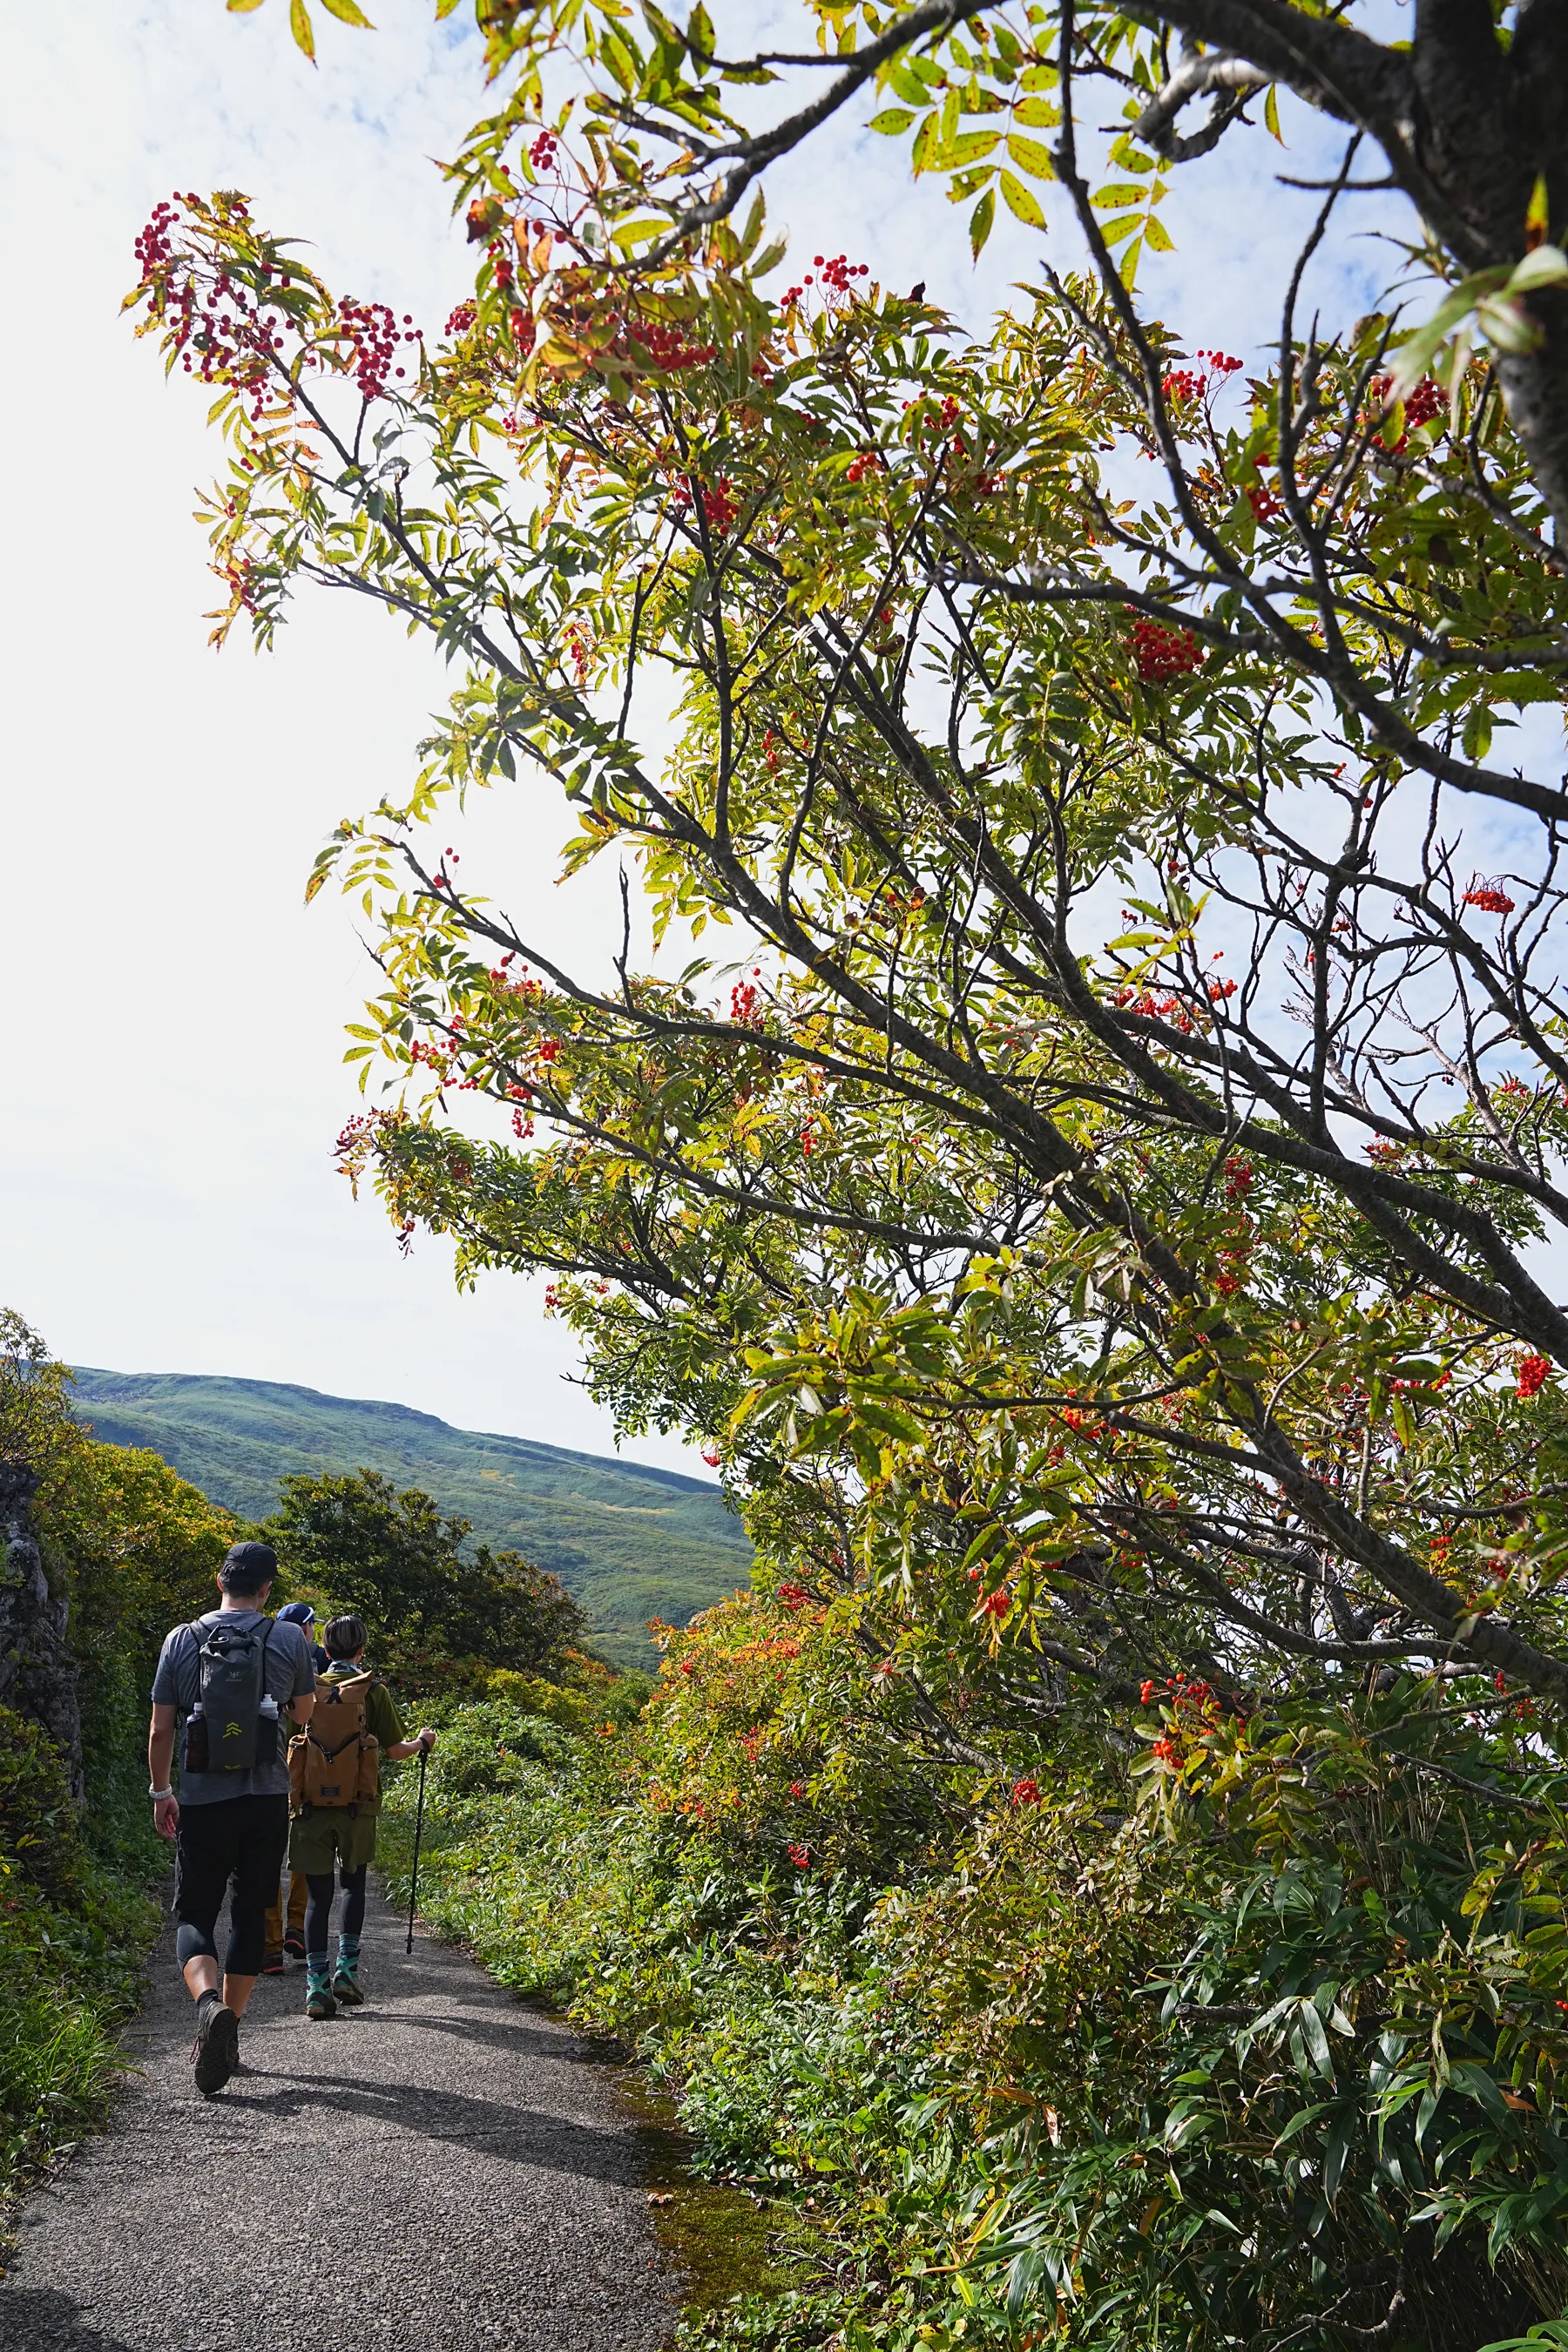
247 1567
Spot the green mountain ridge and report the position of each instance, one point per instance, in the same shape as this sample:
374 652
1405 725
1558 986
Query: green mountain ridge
629 1541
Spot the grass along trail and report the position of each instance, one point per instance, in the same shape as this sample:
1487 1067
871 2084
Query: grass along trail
441 2169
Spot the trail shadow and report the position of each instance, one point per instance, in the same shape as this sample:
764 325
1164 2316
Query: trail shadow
499 2033
37 2319
519 2134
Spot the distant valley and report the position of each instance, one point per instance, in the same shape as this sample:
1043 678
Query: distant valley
630 1542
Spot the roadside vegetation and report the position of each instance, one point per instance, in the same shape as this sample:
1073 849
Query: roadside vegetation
1019 2050
128 1549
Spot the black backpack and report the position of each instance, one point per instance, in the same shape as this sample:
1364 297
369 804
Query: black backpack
227 1731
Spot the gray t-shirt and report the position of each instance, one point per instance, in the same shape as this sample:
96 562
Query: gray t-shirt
289 1674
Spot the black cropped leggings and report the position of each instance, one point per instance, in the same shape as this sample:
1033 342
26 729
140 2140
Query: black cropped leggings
319 1908
237 1844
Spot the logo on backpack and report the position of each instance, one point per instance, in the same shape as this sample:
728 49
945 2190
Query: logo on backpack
234 1724
337 1760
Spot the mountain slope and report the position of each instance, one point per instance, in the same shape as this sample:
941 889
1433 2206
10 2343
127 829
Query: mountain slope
630 1542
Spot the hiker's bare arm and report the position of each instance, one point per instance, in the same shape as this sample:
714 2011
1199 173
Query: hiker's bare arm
401 1747
303 1708
160 1763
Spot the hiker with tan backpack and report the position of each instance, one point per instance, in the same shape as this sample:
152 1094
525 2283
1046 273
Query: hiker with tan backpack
334 1798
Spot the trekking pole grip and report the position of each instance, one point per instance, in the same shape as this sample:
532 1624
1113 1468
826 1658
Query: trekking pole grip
419 1828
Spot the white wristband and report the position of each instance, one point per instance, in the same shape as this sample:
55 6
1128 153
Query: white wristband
158 1795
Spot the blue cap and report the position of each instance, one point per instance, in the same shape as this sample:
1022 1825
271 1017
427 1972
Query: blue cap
296 1613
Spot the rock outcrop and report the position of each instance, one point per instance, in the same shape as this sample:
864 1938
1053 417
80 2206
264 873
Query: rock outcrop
37 1673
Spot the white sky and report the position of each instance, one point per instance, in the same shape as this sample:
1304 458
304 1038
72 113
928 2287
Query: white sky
171 1079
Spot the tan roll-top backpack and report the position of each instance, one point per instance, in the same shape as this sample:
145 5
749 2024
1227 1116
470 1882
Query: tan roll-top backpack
336 1760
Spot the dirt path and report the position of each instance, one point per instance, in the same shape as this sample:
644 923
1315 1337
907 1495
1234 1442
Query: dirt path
441 2171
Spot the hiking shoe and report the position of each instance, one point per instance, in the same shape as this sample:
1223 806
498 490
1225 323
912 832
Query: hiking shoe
272 1963
294 1943
216 2053
318 2002
347 1992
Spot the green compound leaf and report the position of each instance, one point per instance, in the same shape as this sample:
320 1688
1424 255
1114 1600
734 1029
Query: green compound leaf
980 221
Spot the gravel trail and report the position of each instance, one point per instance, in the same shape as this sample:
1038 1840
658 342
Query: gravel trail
442 2170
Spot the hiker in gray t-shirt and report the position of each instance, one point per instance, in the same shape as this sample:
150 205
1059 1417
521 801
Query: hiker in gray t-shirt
232 1675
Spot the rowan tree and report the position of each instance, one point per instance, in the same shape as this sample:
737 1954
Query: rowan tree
1101 1213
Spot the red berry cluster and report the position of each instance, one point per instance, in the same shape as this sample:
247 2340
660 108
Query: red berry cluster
1237 1177
542 154
1182 1693
1025 1792
1490 900
800 1855
462 318
794 1597
1232 1257
720 505
1193 383
229 336
743 1007
1534 1371
1423 402
1154 1008
1162 654
372 334
666 346
1265 503
155 246
838 270
869 462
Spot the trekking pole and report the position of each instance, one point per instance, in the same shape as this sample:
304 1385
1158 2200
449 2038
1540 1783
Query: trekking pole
418 1826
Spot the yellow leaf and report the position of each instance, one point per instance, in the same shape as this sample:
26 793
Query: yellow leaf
349 12
242 7
1021 202
922 154
1536 216
967 148
301 25
1272 113
1032 155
